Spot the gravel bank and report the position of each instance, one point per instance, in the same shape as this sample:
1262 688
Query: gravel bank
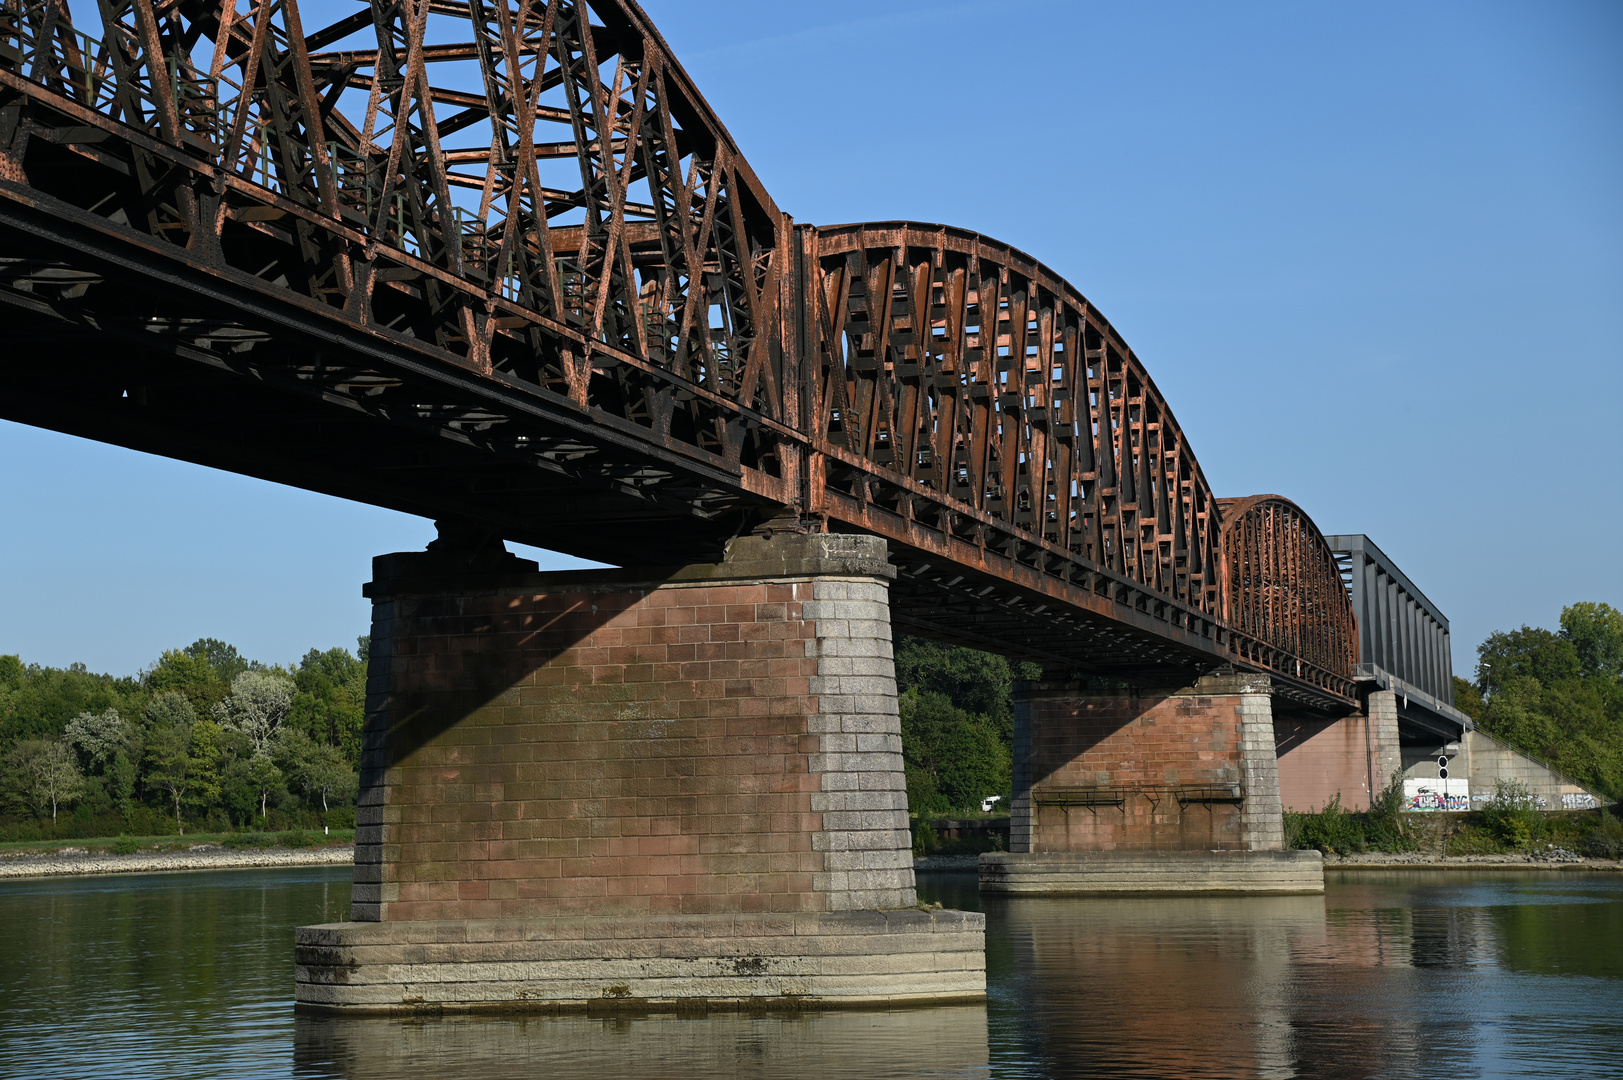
1381 860
202 857
1557 859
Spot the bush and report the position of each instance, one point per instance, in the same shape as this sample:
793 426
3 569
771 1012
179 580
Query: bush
1472 839
1512 815
297 839
1335 830
1605 840
124 845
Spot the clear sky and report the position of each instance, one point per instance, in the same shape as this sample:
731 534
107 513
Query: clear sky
1371 253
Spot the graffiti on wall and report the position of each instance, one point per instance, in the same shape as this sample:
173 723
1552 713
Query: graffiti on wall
1432 795
1579 800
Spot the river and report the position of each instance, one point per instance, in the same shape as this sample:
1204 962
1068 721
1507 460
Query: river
1390 974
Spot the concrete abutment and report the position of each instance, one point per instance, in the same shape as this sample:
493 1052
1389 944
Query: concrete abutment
639 787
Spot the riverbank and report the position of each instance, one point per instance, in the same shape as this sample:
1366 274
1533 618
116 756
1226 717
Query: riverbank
1556 859
72 861
69 861
1378 860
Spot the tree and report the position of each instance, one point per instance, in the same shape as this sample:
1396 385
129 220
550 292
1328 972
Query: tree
1596 634
168 764
266 778
98 736
224 659
331 701
206 757
258 704
1528 653
170 709
1468 699
1558 697
121 775
957 723
46 772
318 770
953 758
183 673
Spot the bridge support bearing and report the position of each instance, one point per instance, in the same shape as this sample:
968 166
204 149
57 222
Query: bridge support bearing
1147 791
626 788
1353 757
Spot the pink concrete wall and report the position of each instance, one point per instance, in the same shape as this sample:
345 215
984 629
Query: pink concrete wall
1319 758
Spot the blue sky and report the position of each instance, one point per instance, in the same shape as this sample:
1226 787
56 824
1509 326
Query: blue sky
1372 254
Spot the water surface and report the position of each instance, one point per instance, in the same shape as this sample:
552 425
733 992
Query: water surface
1390 974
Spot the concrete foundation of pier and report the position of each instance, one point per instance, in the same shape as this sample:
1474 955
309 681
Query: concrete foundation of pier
1166 791
624 788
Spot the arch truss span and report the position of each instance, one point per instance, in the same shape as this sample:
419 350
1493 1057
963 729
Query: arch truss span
1283 593
517 224
966 399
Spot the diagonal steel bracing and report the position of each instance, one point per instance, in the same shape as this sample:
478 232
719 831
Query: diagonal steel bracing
499 260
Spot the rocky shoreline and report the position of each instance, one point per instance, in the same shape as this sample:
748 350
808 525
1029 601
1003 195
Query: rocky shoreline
1557 859
1551 859
71 861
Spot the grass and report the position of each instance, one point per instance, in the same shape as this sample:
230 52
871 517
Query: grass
128 845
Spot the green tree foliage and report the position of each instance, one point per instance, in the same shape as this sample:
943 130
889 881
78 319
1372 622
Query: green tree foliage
43 774
203 736
1596 633
224 659
1557 696
258 704
331 700
181 672
957 724
1468 699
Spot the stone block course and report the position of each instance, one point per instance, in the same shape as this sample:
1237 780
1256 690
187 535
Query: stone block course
767 960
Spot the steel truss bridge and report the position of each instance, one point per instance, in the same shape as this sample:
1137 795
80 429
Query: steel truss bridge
501 264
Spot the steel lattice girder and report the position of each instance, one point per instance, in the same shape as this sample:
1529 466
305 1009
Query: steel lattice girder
500 261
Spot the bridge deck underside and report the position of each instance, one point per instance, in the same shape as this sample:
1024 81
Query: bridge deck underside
128 354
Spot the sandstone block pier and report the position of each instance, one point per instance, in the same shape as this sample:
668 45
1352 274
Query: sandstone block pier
679 786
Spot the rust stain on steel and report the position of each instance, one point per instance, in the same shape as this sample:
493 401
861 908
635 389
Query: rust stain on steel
518 227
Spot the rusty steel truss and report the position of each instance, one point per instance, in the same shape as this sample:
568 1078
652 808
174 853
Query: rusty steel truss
501 263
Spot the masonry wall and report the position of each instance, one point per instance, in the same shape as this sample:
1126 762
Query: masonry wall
1322 758
543 745
1175 770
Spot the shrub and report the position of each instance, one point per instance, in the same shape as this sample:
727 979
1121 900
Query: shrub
1335 830
1512 814
1605 840
297 838
124 845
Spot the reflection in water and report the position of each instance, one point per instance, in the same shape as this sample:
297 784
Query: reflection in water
947 1042
1389 974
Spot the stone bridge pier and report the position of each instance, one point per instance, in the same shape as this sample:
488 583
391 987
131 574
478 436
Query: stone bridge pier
635 788
1172 790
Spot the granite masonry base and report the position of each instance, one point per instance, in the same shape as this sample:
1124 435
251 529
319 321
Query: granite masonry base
808 960
1149 873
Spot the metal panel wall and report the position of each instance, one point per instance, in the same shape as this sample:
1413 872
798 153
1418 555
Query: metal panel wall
1399 630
